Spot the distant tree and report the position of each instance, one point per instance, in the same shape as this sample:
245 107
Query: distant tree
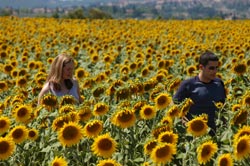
76 14
95 13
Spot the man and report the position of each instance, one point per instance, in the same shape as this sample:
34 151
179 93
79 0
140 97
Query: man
205 90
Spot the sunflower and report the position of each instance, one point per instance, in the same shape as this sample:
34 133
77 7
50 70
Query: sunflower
19 134
70 134
21 82
3 86
162 100
98 91
242 147
149 146
240 117
239 68
160 129
31 64
124 118
236 107
80 73
84 113
93 128
245 130
67 99
33 134
7 68
66 108
7 147
59 161
219 105
58 123
104 145
163 153
174 84
22 113
197 126
191 70
4 124
147 112
225 160
100 109
168 137
49 101
167 120
108 162
246 99
185 107
206 151
173 111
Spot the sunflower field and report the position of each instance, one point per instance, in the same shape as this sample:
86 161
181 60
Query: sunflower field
128 71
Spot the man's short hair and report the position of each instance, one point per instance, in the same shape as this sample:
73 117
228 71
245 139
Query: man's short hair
206 57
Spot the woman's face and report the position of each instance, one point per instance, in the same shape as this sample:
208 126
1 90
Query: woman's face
68 70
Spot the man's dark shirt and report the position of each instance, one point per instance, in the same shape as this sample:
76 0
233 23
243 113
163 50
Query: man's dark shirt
204 96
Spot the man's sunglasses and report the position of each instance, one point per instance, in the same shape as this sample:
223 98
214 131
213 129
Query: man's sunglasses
213 67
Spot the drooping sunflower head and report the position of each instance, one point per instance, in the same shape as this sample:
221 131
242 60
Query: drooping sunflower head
100 109
59 161
147 112
160 129
67 108
173 111
206 151
124 118
84 113
246 99
58 123
162 101
93 128
7 147
70 134
104 145
240 117
163 153
242 147
19 134
49 101
185 107
236 107
149 146
197 126
67 99
225 160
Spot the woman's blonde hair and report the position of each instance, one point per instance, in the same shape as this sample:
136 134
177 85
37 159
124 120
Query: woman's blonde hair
56 68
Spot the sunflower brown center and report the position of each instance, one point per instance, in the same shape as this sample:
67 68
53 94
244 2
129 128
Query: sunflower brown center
105 144
242 146
125 117
223 162
148 111
93 128
32 134
17 133
197 126
162 152
205 151
22 112
2 123
70 132
4 146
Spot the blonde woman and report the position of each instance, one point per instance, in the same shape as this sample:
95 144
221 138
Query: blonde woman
60 79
